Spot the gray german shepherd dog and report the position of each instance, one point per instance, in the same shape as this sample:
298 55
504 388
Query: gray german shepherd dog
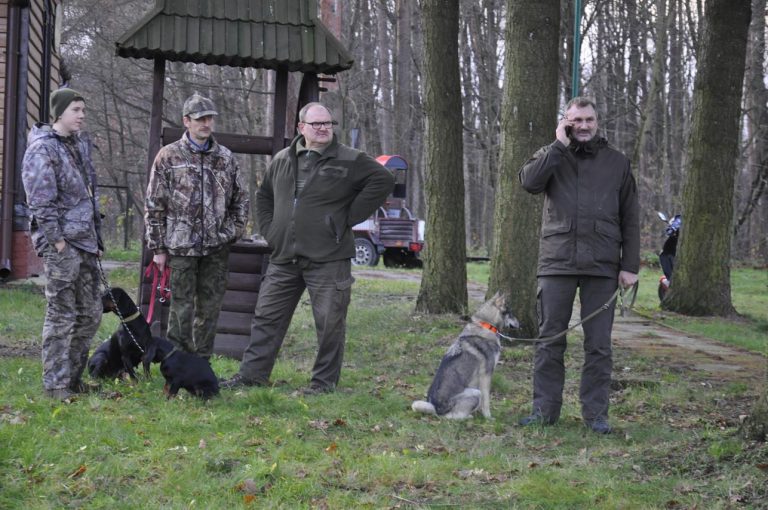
462 384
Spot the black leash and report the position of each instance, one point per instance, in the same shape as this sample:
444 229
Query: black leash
620 293
117 310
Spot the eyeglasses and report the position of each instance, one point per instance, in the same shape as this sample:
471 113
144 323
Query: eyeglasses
327 124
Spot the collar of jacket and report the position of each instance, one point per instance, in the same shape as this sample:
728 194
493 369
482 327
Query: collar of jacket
196 148
49 131
589 148
330 151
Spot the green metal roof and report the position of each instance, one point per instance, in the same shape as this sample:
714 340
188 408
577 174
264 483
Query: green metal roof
271 34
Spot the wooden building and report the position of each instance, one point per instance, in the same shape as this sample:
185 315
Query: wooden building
29 70
281 35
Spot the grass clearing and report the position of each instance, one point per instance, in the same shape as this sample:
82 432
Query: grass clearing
362 447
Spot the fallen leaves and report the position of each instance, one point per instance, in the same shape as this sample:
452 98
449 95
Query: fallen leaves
77 473
8 415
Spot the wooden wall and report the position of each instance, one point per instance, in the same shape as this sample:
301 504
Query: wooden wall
3 61
36 45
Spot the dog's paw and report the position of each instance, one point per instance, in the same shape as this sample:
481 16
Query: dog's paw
421 406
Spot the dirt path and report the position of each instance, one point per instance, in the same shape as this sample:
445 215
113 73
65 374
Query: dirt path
677 351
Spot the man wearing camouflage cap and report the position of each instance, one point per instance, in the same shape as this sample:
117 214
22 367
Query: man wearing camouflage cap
196 207
60 184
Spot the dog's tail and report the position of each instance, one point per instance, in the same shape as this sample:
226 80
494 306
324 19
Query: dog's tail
422 406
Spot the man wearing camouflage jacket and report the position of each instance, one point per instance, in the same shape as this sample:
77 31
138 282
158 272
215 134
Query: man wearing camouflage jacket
60 184
196 207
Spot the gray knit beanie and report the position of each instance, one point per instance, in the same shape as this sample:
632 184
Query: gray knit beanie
61 98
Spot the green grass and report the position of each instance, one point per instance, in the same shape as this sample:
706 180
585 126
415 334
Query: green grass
118 253
362 447
749 293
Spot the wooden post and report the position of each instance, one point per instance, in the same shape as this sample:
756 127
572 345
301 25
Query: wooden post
280 108
156 115
155 127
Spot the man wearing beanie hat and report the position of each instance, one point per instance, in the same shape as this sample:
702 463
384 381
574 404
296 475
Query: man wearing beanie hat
196 207
60 184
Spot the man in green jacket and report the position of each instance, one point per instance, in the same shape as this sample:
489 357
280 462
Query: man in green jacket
314 191
590 241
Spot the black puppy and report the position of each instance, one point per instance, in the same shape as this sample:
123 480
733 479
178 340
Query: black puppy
106 362
183 370
127 346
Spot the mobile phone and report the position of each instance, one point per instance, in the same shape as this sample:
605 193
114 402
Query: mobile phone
568 130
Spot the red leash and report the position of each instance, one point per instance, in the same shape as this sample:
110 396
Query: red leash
160 284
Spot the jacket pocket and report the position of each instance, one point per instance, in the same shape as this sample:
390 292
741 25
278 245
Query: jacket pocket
552 228
607 245
62 266
557 246
336 172
78 229
227 231
333 227
180 234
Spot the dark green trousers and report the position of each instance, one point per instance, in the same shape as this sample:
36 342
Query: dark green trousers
330 287
555 305
198 285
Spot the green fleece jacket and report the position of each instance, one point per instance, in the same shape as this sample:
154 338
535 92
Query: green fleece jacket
344 187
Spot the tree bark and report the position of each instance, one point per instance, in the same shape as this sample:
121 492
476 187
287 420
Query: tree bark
528 121
444 280
701 283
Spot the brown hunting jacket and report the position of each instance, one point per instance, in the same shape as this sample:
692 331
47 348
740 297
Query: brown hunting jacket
590 222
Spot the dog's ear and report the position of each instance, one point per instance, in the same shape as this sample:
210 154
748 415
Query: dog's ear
500 299
107 305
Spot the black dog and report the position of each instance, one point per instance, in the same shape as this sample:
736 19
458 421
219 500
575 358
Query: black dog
106 362
183 370
127 346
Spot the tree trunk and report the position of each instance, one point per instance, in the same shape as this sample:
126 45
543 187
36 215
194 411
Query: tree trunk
701 283
528 121
751 226
444 280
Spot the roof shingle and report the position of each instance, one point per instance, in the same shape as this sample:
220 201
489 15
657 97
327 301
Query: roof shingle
270 34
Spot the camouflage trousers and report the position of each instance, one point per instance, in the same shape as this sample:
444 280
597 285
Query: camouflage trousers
72 315
197 290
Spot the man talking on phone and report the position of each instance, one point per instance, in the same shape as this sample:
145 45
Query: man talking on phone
590 241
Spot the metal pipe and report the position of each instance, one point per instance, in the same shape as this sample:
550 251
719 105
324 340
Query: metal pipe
576 48
9 138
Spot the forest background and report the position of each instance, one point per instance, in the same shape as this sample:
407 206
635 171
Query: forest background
638 60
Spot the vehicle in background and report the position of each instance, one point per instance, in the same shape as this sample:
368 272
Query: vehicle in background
392 232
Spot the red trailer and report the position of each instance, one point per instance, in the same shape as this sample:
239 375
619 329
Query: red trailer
392 232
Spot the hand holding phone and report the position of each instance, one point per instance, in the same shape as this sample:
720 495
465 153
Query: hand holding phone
563 131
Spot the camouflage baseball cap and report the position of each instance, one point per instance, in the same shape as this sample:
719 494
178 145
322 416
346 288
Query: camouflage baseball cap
198 106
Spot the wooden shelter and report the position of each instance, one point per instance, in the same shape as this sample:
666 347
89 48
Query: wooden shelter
29 70
281 35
